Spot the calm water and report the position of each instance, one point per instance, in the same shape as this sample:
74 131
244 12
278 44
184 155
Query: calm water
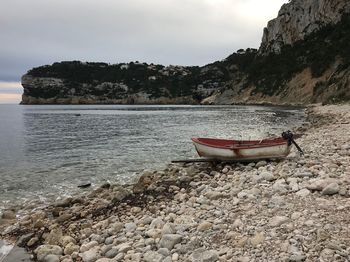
49 150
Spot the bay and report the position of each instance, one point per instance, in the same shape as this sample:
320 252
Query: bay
47 150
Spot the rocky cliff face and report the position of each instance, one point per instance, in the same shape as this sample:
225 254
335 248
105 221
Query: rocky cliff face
304 58
299 18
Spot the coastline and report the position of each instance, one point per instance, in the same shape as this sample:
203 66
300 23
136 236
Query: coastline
293 210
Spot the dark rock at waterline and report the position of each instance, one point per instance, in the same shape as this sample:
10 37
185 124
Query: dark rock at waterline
84 185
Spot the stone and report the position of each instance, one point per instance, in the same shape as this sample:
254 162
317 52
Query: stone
154 233
88 246
124 247
119 193
64 217
278 221
65 240
105 260
130 227
54 237
170 240
257 239
23 240
51 258
89 256
152 256
202 255
319 184
157 223
204 226
70 248
214 195
261 163
32 241
112 252
303 192
331 189
168 229
164 251
8 214
119 257
268 176
297 258
44 250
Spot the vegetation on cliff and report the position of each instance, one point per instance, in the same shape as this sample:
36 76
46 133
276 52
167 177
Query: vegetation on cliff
268 74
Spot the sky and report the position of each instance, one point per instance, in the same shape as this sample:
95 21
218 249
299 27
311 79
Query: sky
180 32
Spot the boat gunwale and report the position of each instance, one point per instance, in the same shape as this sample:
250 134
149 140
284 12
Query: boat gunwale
241 145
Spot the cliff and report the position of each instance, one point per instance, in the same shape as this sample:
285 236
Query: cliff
303 58
300 18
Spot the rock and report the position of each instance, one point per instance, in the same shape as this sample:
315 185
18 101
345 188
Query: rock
170 240
260 164
115 228
23 240
257 239
202 255
204 226
32 241
65 240
130 227
320 184
88 246
164 252
112 252
119 257
152 256
168 229
214 195
157 223
119 193
297 19
89 256
54 237
39 223
154 233
297 258
280 186
44 250
51 258
8 214
143 183
64 203
268 176
106 260
70 248
135 210
84 185
303 192
278 220
64 217
124 247
331 189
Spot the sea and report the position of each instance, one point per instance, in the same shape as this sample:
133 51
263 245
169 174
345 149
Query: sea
46 151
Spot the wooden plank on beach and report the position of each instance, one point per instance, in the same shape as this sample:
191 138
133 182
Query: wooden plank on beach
198 160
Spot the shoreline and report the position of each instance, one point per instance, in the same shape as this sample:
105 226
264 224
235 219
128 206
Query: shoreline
274 211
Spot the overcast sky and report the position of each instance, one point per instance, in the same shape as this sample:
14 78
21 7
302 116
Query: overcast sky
184 32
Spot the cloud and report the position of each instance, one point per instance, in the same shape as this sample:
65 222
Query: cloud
187 32
10 92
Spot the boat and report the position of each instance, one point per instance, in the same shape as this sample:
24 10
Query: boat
245 150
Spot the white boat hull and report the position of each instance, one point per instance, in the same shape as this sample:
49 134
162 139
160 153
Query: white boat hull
242 154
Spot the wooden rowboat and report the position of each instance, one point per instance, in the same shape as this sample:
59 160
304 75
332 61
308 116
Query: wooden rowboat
242 150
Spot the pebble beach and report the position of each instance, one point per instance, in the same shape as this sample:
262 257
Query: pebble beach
296 209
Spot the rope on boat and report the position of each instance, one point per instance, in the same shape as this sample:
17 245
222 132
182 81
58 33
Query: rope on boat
288 135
